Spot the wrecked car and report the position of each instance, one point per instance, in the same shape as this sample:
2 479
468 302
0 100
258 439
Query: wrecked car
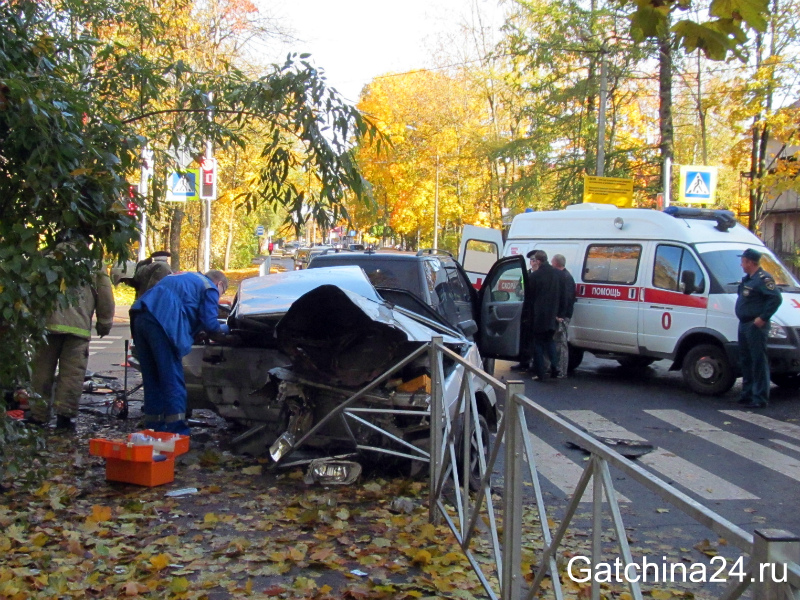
325 366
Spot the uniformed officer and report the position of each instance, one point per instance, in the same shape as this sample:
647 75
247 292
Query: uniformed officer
758 300
66 349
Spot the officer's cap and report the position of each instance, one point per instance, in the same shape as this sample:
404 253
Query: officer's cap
751 254
531 253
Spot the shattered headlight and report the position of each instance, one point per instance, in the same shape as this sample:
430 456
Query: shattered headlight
332 472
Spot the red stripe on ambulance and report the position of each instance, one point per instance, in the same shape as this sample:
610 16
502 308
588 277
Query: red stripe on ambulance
607 292
674 298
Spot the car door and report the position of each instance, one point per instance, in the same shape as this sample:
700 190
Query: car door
675 299
479 250
502 309
606 313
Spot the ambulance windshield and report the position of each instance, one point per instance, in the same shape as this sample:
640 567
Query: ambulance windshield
725 266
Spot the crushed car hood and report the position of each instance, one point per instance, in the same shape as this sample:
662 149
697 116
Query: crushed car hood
273 294
341 337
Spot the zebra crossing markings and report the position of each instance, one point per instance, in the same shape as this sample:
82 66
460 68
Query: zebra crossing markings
787 429
766 457
560 470
694 478
786 445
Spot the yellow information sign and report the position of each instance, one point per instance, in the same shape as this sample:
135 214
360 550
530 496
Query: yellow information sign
608 190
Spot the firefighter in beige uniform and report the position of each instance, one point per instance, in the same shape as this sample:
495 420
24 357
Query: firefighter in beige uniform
67 346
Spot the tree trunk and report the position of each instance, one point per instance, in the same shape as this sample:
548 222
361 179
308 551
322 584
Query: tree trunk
176 222
755 200
701 113
667 145
229 241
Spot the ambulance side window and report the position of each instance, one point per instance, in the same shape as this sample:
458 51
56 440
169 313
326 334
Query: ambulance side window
674 268
612 263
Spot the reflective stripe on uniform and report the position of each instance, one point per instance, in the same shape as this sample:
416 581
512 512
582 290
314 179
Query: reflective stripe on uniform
165 418
70 330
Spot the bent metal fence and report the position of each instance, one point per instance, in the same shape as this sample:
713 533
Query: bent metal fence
465 513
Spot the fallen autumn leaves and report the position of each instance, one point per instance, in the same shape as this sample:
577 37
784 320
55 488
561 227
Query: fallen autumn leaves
248 532
243 534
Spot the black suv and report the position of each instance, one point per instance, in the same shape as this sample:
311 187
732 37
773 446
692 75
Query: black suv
434 277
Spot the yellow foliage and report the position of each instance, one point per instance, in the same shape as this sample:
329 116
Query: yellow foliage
160 561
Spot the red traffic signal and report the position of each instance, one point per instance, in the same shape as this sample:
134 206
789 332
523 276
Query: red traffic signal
208 179
133 207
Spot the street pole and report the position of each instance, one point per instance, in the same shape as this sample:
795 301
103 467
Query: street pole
145 170
436 208
207 207
601 116
143 194
667 171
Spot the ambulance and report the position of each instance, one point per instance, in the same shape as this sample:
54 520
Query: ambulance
650 285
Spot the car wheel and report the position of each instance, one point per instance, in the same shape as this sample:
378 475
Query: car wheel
575 358
474 458
636 362
788 381
707 370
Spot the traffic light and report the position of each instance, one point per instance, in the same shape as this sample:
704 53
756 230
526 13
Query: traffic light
208 179
133 207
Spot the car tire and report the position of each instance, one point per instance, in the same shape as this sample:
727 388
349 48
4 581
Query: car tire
474 462
787 381
707 370
636 362
575 358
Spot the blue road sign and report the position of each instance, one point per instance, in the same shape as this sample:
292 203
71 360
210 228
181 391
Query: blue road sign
182 185
260 230
698 184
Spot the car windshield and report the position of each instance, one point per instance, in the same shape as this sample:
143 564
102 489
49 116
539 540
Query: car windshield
725 266
399 274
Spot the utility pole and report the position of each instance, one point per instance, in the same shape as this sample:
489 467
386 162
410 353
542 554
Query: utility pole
601 115
436 208
207 205
145 171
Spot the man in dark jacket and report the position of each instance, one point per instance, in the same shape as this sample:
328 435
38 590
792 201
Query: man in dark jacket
164 323
547 303
150 271
561 337
526 354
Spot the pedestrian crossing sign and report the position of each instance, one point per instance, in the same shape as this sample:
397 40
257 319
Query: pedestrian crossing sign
698 184
182 185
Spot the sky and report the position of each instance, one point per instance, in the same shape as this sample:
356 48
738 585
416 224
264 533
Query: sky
356 40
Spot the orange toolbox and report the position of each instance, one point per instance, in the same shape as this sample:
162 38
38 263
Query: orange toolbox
137 461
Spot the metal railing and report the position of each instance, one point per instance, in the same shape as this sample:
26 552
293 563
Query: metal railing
452 501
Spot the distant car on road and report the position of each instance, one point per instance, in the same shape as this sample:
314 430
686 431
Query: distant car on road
304 255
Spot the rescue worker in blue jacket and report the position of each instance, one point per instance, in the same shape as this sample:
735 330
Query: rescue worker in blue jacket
164 323
759 298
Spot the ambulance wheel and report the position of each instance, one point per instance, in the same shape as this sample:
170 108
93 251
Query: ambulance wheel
575 358
707 371
636 362
787 381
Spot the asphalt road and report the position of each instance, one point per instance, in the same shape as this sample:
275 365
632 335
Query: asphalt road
743 465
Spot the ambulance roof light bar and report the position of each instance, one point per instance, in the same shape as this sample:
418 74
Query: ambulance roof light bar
725 218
